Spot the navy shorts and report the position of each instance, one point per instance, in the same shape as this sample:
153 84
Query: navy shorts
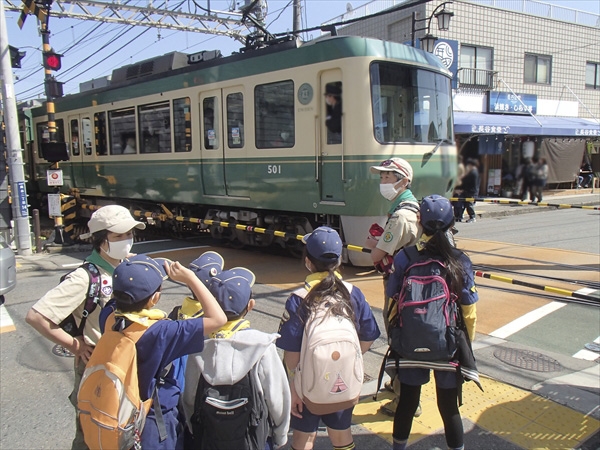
419 377
309 423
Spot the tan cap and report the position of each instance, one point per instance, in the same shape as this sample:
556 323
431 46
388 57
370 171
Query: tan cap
113 218
397 165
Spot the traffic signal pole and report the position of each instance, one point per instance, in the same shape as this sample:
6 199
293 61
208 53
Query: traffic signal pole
13 145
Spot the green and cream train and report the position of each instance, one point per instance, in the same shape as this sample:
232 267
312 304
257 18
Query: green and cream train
247 138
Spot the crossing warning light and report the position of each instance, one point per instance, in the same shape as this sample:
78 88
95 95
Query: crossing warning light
52 61
15 57
54 88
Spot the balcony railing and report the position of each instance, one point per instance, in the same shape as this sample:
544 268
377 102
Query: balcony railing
478 79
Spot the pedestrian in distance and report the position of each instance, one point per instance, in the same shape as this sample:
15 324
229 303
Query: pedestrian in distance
137 285
468 188
401 229
585 175
436 218
325 298
234 355
541 179
111 228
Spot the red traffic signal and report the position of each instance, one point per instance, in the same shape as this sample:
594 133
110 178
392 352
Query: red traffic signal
52 61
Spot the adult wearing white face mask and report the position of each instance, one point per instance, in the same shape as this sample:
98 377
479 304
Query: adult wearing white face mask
401 230
111 229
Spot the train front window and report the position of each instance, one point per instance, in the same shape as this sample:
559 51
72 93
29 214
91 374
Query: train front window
410 104
155 128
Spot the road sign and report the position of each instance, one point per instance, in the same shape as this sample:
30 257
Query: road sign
54 177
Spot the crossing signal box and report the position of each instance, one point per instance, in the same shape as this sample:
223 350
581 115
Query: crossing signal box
15 57
53 88
52 61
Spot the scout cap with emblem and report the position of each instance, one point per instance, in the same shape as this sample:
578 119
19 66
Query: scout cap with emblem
397 165
113 218
233 290
206 266
138 277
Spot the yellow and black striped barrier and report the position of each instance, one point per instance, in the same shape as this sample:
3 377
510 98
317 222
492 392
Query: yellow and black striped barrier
68 209
522 202
551 289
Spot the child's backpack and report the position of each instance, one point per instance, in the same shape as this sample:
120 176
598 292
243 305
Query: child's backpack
231 416
329 375
111 412
427 312
69 324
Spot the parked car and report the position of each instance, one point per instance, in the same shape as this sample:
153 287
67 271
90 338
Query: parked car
8 269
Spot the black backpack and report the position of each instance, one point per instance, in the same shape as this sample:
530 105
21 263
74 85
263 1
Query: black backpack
427 312
231 417
69 324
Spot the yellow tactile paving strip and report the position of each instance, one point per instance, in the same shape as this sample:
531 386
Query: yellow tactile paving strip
518 416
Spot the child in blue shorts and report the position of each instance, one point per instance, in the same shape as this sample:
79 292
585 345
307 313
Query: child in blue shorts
322 258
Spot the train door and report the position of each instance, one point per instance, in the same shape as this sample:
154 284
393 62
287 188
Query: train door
80 145
331 151
234 142
212 153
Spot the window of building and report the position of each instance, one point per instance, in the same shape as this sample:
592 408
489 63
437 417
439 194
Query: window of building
235 120
538 69
274 115
100 133
155 128
182 124
592 75
121 125
476 65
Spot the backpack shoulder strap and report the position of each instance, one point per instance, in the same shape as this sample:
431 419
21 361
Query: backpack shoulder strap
410 206
93 293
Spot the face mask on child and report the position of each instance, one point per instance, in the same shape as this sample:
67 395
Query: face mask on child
119 249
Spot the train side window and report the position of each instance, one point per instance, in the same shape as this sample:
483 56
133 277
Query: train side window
235 120
210 126
86 134
155 128
75 150
333 108
274 115
100 133
182 124
121 125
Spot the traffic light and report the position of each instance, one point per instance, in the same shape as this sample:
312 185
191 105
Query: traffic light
52 61
53 88
15 57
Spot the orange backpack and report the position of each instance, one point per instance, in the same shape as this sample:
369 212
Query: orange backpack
111 412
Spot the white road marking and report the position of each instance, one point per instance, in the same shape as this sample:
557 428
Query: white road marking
6 323
526 320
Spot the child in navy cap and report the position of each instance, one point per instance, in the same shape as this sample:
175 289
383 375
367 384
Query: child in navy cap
322 258
137 283
234 350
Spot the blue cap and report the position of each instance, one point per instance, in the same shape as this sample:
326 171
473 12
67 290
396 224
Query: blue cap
436 213
324 244
139 277
206 266
233 289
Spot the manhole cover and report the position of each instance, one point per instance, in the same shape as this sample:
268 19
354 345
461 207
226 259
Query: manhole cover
524 359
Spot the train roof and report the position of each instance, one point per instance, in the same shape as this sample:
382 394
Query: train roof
287 54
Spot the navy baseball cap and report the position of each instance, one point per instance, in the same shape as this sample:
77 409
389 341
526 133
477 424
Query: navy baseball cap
139 277
436 213
324 244
207 265
233 289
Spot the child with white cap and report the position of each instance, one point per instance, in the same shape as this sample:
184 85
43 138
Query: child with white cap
322 258
230 353
137 283
111 228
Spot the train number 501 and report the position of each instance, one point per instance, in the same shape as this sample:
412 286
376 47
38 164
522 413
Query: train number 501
273 168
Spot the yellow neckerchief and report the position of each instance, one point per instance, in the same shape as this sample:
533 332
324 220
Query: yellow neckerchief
230 328
190 308
315 278
422 241
142 317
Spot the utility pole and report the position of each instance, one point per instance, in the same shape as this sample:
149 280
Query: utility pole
13 145
297 11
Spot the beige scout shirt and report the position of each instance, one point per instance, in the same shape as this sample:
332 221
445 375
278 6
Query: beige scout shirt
401 230
69 297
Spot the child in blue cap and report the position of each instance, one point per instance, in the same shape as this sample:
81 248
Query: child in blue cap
137 283
322 258
230 353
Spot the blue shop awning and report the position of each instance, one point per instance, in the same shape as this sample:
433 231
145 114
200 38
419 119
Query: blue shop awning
479 123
